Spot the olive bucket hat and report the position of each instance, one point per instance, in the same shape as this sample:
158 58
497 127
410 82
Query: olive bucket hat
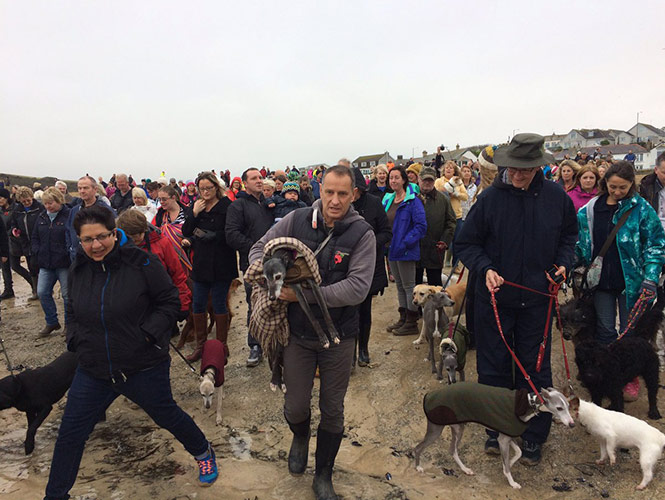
524 151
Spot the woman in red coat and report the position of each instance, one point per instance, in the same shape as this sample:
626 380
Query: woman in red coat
149 238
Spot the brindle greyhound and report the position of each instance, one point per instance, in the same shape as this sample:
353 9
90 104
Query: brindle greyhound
275 268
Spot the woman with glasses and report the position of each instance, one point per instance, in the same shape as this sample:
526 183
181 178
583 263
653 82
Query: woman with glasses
169 219
214 263
122 306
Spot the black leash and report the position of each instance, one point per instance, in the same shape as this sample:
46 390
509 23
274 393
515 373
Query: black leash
9 363
191 367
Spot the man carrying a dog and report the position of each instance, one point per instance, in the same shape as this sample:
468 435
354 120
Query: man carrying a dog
347 251
520 227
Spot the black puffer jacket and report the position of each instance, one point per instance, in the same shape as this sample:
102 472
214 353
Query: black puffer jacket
121 311
24 221
247 221
213 259
371 209
650 188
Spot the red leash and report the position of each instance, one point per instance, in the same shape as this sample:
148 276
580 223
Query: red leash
554 299
636 312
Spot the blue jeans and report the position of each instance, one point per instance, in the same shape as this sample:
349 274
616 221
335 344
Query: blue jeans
605 302
88 399
45 283
217 289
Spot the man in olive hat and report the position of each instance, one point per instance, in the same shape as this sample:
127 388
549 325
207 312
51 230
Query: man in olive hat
519 228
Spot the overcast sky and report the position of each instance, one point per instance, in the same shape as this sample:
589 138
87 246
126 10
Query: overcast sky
144 86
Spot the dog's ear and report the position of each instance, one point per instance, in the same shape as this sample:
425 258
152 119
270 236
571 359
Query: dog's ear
574 403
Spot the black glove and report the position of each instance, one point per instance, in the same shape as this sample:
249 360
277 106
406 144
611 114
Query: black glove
182 315
649 286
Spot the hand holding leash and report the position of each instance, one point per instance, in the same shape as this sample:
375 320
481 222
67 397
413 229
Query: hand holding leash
493 280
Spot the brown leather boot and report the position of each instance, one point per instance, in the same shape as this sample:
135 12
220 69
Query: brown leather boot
410 326
399 322
200 324
222 327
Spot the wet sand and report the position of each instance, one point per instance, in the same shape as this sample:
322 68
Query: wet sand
128 457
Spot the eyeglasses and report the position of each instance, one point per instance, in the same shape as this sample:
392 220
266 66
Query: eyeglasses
206 189
101 238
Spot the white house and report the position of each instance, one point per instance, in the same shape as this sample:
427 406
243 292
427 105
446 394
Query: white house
644 132
579 138
553 141
366 162
651 156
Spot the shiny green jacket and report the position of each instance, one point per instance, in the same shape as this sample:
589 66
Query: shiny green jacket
641 243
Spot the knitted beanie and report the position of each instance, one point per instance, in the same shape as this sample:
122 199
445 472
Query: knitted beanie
488 169
415 168
291 186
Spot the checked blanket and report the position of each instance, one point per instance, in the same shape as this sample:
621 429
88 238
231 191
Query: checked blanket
269 323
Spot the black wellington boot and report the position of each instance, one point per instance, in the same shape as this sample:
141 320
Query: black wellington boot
327 446
299 447
363 341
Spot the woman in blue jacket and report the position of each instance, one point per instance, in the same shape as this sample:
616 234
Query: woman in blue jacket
50 248
406 214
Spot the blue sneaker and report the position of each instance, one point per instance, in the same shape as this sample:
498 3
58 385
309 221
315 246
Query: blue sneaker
208 468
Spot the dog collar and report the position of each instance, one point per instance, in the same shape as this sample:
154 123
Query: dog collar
532 398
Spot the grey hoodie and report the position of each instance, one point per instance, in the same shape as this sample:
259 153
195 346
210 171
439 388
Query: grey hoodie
353 289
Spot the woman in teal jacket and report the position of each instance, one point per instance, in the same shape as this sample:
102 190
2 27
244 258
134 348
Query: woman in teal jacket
406 214
634 260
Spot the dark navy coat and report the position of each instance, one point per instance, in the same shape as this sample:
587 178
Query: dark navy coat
49 240
519 234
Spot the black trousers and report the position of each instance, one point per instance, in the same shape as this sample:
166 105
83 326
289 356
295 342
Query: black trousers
31 272
301 357
433 276
251 341
7 275
523 329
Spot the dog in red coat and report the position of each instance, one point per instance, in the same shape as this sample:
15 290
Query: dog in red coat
214 358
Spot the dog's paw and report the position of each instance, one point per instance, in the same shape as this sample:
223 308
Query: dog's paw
654 415
420 469
516 486
325 345
469 472
417 341
273 387
600 461
336 340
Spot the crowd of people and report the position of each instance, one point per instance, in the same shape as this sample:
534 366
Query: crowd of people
133 259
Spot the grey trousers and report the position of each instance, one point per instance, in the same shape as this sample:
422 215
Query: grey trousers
301 357
404 272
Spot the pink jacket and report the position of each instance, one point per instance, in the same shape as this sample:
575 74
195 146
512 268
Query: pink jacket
581 198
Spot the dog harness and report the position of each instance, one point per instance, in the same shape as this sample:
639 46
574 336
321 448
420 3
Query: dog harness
495 407
215 355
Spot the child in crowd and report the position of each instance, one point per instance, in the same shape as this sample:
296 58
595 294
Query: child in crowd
285 202
268 188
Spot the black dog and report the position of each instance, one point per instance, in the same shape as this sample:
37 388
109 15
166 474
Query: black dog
605 369
36 391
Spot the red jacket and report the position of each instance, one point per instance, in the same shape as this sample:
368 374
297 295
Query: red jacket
156 243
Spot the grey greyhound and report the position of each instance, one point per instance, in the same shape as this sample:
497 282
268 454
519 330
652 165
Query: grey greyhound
503 410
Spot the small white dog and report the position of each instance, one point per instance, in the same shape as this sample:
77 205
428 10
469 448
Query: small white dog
613 428
213 360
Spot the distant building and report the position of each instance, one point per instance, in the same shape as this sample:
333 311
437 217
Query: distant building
553 141
651 156
617 151
461 156
584 138
364 163
644 132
